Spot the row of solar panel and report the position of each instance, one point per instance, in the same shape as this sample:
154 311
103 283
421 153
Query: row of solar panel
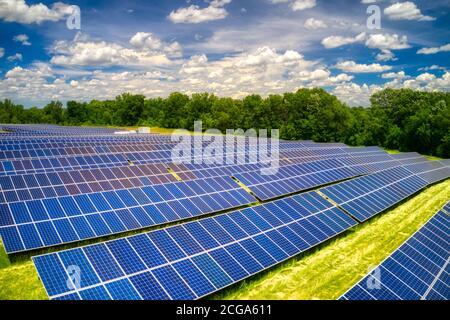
42 186
194 259
91 161
100 161
69 151
79 150
367 196
46 185
418 270
52 129
41 223
7 145
305 176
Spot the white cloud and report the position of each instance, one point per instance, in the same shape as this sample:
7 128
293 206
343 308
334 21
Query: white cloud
433 67
149 51
434 50
314 24
2 52
386 55
15 57
426 77
148 41
23 38
355 94
338 41
406 11
394 75
19 11
195 14
387 42
353 67
297 5
262 71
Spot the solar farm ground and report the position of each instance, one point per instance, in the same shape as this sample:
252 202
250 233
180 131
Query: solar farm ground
323 273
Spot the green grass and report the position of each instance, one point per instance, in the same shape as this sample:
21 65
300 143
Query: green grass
19 281
324 273
329 271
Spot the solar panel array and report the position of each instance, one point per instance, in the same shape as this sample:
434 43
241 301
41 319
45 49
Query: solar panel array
192 260
298 177
369 195
61 185
418 270
41 223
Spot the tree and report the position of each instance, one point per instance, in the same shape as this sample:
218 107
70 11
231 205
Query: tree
53 112
129 109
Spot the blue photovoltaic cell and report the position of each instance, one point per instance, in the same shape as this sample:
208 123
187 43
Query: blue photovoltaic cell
194 259
418 270
104 213
367 196
122 290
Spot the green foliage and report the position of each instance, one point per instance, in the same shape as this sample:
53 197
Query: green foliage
404 119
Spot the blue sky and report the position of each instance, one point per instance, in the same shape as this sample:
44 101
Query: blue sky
226 47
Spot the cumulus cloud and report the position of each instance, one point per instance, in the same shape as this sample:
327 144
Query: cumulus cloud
263 71
19 11
386 55
373 41
434 50
148 41
195 14
339 41
406 11
387 42
297 5
2 52
353 67
394 75
148 51
355 94
425 77
314 24
22 38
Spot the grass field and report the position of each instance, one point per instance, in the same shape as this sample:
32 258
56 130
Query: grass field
323 273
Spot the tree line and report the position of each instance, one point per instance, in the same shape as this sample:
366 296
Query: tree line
404 119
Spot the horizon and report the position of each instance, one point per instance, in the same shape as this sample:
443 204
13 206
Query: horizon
223 47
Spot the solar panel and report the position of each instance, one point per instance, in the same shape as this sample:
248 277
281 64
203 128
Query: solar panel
367 196
192 260
418 270
45 185
27 225
304 176
431 171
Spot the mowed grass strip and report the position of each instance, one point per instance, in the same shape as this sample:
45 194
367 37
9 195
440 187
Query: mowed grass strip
324 273
329 271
